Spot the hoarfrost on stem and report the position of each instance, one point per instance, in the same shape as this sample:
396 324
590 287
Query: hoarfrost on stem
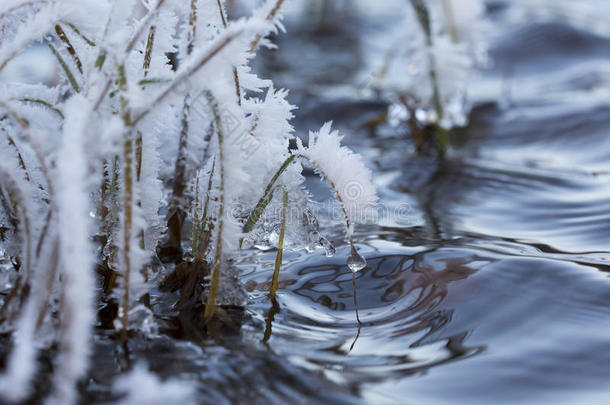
155 127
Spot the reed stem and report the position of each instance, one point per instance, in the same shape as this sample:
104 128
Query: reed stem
280 247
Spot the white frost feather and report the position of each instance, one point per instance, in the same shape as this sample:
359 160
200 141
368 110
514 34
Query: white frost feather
351 179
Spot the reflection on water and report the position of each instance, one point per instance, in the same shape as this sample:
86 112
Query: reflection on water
498 290
404 305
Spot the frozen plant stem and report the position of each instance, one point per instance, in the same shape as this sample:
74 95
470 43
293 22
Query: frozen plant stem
204 244
149 47
210 306
423 17
269 17
127 202
145 22
177 212
83 37
280 246
196 219
64 38
266 198
355 262
193 24
235 73
63 65
44 104
12 143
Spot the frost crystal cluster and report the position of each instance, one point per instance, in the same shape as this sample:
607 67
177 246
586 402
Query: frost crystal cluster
156 144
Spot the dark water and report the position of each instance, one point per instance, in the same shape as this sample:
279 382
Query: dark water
492 286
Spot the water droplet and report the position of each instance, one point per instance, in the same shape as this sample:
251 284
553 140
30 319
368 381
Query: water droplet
355 261
328 247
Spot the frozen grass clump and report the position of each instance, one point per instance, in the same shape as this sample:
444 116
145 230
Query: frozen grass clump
157 144
438 44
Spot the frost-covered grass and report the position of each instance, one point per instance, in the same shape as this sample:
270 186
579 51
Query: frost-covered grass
425 71
158 142
422 58
443 53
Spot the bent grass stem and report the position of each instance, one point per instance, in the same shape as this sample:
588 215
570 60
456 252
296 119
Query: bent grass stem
280 247
63 65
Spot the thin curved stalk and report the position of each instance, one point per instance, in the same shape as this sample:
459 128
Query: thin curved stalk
177 211
255 215
280 247
235 73
150 41
83 37
149 47
12 143
44 104
177 206
269 17
64 38
196 219
146 21
356 309
63 65
193 25
145 82
273 311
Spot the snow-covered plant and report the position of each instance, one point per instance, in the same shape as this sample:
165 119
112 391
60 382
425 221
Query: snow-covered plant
438 44
157 141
